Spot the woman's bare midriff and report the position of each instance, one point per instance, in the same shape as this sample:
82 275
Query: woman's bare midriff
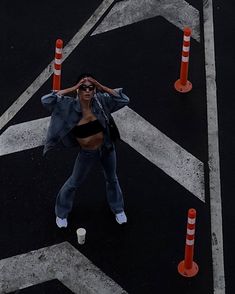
91 142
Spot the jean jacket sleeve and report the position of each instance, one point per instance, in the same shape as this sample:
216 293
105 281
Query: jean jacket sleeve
49 101
113 103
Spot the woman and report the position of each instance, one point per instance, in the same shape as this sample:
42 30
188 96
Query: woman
83 122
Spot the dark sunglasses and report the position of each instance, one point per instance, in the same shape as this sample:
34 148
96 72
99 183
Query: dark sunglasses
85 87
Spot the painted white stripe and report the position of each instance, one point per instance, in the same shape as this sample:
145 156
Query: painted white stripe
186 48
185 58
190 232
186 38
57 72
62 262
46 73
128 12
58 50
135 131
24 136
189 242
213 150
159 149
58 61
191 221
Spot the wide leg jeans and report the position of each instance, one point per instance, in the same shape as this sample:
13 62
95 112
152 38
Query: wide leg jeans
84 162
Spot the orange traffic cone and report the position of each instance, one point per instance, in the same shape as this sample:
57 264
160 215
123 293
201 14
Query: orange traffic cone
187 267
183 85
57 65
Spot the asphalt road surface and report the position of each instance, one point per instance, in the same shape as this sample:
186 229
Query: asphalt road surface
142 55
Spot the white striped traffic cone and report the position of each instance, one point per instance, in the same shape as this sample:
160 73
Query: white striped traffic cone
183 85
187 267
57 65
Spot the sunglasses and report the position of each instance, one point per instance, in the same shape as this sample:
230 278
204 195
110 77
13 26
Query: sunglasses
85 87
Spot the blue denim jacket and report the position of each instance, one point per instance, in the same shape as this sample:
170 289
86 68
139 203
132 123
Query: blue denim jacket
66 113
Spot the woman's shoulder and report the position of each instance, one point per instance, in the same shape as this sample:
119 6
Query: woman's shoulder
64 102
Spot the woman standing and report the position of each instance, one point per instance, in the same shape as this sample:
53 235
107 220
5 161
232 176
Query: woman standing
83 122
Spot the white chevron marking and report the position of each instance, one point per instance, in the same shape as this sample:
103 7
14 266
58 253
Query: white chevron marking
179 13
62 262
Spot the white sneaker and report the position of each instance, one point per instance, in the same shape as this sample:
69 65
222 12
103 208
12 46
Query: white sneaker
61 222
121 218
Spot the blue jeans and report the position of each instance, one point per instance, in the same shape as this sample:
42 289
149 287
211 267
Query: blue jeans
84 161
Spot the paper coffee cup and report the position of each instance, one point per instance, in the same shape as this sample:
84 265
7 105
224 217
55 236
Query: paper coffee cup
81 235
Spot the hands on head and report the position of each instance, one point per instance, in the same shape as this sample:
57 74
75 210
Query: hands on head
92 81
85 80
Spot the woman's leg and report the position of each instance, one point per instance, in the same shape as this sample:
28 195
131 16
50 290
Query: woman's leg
65 197
113 190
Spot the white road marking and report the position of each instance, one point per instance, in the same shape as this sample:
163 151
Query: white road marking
24 136
213 152
179 13
159 149
47 72
215 189
62 262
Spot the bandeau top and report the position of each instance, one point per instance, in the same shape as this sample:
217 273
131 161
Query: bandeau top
88 129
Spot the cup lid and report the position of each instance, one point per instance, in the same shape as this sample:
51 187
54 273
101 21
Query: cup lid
81 231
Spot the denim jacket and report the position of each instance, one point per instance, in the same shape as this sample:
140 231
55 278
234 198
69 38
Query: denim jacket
66 113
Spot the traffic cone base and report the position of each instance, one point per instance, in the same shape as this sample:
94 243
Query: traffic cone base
188 273
183 88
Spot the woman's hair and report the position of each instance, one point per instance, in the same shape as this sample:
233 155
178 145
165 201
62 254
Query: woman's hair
84 75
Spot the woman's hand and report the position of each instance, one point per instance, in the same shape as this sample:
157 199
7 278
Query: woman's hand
80 83
59 92
102 88
71 89
97 84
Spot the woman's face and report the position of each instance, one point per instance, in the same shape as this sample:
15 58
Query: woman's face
86 90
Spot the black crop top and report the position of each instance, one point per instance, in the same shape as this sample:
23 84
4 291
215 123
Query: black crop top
88 129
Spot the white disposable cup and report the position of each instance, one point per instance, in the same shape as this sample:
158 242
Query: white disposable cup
81 235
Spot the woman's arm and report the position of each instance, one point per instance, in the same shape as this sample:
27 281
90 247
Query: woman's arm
71 89
103 88
66 91
49 101
113 99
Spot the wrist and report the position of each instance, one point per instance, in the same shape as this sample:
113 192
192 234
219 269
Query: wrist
104 89
108 90
68 90
111 91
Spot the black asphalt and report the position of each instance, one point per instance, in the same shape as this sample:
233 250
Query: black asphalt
144 58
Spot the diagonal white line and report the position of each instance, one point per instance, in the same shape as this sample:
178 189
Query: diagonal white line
175 161
213 150
62 262
179 13
162 151
47 72
24 136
